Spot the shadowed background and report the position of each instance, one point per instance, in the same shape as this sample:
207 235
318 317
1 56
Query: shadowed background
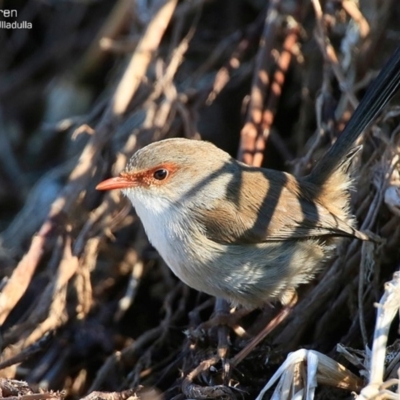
86 303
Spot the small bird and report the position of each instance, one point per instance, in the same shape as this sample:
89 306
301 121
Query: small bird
249 235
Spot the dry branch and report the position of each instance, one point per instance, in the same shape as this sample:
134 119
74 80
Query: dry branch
75 265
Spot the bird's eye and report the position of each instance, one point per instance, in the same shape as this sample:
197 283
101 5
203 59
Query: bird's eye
160 174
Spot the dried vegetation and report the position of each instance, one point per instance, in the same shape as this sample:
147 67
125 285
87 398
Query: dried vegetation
86 305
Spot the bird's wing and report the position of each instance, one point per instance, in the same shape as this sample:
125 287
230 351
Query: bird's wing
274 206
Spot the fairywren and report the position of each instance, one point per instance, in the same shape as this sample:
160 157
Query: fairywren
247 234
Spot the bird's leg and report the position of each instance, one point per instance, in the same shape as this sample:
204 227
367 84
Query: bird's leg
223 316
222 308
286 310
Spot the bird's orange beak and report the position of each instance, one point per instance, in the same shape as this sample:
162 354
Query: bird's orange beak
119 182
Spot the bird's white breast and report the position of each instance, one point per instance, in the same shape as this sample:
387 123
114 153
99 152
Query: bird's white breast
168 231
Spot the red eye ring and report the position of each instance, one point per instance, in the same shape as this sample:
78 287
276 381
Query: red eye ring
160 174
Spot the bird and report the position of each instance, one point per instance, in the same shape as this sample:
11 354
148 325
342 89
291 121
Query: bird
247 234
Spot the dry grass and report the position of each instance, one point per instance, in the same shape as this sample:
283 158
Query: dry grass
86 305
